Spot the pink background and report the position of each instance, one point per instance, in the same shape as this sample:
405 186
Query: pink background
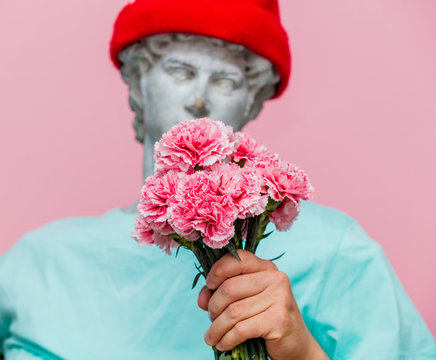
359 116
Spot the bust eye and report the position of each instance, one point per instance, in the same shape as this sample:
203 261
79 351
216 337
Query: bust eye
180 74
225 84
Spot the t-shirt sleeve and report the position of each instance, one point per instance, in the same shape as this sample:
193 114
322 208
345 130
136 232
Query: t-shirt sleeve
363 311
5 313
13 266
8 264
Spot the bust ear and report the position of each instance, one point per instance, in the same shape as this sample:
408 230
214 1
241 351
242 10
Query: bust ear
136 61
262 80
258 95
256 101
135 102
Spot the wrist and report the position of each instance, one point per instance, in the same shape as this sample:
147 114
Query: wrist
314 351
308 349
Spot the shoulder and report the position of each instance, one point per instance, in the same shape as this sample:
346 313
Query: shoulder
70 227
314 241
326 216
62 245
74 231
336 236
322 226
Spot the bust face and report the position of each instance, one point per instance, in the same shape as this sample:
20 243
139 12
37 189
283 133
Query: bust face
194 80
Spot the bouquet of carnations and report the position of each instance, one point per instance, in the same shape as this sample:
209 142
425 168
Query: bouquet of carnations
215 191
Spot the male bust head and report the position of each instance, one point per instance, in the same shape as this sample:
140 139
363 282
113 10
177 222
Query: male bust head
173 77
196 71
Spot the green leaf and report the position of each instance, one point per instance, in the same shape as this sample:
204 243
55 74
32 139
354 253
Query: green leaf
178 249
197 277
232 249
264 236
198 267
278 257
236 238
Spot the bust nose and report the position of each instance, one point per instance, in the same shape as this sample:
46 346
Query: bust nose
198 107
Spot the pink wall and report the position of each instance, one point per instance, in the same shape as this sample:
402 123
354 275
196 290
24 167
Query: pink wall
359 116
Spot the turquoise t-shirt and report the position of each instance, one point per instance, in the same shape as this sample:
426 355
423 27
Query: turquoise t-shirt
82 288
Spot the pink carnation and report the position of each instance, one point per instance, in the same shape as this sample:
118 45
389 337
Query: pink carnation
206 178
281 179
156 195
145 235
247 149
199 206
164 242
193 143
142 232
242 186
285 215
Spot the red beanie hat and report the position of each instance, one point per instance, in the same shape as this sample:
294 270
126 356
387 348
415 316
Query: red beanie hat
254 24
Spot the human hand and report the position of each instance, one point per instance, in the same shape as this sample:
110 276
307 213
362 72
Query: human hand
253 299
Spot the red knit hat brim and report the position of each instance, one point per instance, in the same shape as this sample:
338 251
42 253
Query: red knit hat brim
238 22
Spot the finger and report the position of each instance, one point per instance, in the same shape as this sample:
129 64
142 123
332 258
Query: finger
237 288
204 297
229 266
234 313
250 328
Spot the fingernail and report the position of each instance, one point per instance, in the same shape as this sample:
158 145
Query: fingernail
207 337
211 317
219 346
209 283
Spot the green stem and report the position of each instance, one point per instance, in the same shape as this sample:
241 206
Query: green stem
252 231
201 257
264 221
